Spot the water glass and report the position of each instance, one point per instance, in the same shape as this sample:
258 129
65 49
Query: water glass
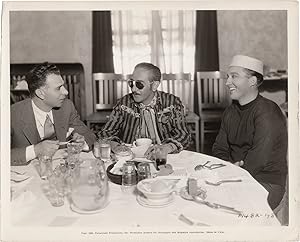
160 156
74 150
105 149
54 190
43 166
129 178
143 171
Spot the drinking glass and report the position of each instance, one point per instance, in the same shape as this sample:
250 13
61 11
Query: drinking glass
89 186
102 149
143 171
160 155
129 178
54 189
43 166
74 150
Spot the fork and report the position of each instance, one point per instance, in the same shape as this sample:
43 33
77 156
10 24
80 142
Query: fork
216 205
18 181
220 182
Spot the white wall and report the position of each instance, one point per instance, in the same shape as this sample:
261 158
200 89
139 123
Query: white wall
260 34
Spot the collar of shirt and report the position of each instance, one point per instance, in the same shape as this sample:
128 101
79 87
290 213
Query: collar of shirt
150 105
40 115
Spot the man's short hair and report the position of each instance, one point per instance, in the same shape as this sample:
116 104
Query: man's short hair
156 74
36 78
259 76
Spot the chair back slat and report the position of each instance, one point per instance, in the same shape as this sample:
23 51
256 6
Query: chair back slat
181 85
107 89
212 91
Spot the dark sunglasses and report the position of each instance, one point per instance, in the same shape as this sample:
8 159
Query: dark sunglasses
138 84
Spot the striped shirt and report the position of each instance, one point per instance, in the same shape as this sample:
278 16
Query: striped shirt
125 119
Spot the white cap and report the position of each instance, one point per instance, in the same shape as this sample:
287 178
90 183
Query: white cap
248 62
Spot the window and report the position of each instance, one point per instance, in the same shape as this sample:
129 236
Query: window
164 38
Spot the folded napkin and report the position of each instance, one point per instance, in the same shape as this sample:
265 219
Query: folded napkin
119 164
19 180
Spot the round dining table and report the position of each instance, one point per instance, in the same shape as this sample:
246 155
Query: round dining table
30 207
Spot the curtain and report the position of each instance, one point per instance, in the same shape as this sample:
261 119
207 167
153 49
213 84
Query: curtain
164 38
206 45
102 42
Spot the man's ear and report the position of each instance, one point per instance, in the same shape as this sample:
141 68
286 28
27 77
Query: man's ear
40 93
155 85
253 81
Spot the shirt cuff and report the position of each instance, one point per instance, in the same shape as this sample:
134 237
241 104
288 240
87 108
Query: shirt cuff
30 154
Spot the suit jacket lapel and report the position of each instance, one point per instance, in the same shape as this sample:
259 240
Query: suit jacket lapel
60 125
29 124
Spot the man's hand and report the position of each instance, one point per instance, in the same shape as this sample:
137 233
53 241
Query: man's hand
150 153
78 138
46 147
239 163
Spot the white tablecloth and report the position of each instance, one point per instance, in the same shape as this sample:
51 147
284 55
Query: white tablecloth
31 207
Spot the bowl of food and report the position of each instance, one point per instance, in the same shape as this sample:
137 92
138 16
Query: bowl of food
156 189
114 175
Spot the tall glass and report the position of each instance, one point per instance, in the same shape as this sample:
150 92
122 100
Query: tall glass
43 166
89 186
105 149
74 150
160 155
129 178
143 171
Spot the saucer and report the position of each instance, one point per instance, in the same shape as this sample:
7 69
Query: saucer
80 211
142 200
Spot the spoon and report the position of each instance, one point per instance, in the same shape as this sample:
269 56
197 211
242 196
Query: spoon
220 182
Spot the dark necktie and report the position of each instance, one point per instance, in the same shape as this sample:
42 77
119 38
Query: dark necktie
48 128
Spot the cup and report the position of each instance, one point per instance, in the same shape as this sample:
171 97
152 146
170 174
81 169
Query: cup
143 171
142 142
129 178
43 166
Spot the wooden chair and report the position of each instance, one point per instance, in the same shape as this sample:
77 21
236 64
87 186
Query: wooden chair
213 98
182 86
72 73
107 89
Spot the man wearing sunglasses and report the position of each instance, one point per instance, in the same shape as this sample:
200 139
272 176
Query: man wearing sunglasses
148 113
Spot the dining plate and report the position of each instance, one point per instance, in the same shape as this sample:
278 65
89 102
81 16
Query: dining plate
142 200
80 211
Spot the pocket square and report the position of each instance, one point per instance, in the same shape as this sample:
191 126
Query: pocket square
69 132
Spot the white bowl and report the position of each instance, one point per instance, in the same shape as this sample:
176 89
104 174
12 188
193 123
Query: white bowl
145 186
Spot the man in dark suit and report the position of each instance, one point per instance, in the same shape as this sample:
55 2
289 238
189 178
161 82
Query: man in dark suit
40 123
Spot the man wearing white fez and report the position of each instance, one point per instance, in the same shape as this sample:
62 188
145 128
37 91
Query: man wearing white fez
253 131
